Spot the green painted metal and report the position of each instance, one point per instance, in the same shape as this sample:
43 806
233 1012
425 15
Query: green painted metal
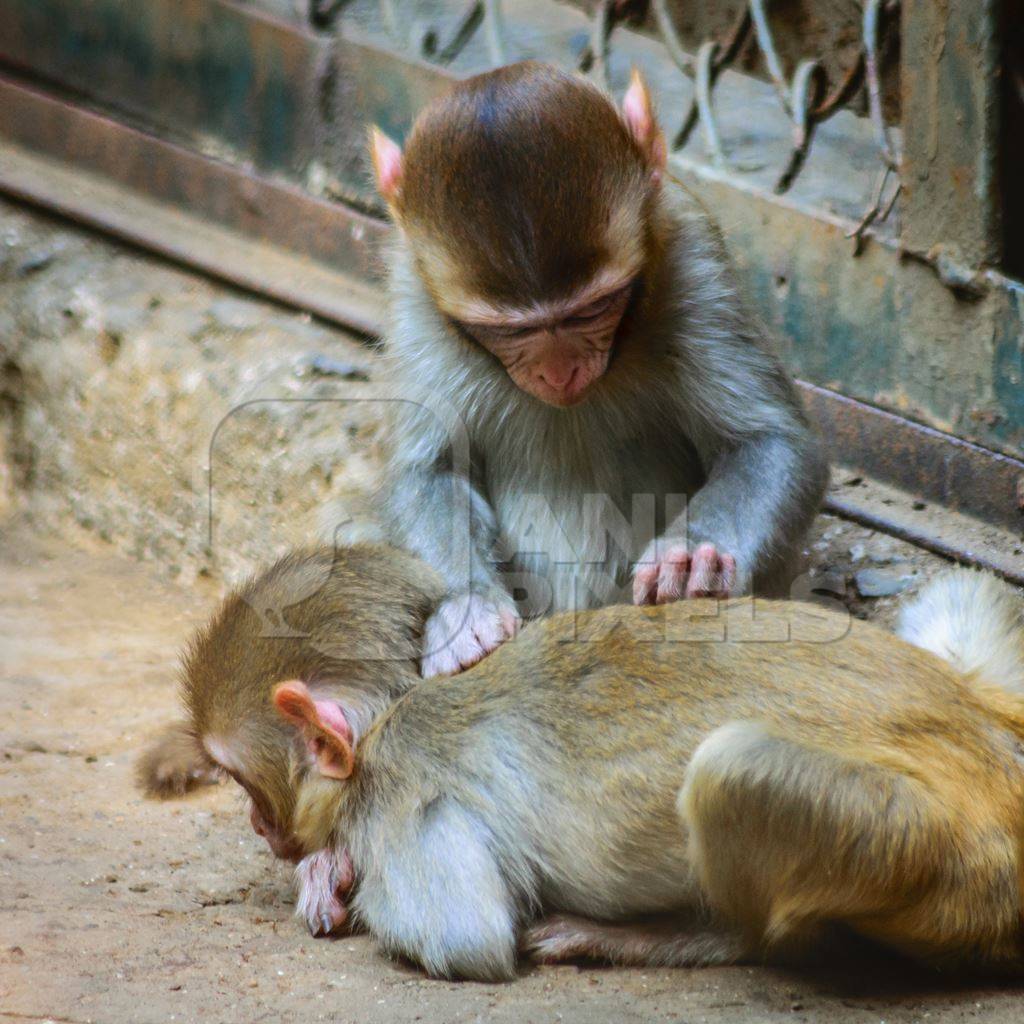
881 327
220 75
951 123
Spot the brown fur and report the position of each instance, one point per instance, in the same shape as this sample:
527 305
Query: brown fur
759 776
351 625
505 230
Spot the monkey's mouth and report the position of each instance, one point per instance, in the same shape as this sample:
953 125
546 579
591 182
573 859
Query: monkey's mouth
282 844
565 400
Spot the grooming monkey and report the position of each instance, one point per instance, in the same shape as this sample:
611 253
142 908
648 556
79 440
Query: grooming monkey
564 307
754 778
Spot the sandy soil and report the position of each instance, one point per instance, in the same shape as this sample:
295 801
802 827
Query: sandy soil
114 908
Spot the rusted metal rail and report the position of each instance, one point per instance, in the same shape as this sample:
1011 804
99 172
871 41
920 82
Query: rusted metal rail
251 231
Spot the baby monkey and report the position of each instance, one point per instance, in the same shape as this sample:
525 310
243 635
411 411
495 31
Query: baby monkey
586 410
752 778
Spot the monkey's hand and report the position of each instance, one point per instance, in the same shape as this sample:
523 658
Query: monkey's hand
324 879
668 571
174 763
463 629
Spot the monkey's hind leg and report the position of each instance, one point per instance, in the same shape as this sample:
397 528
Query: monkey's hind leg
174 763
787 838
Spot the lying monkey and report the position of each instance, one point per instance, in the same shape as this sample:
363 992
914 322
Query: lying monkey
626 762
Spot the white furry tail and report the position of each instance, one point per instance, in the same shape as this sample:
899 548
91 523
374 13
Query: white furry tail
974 621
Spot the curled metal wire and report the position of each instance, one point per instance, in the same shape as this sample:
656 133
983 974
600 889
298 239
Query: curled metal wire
705 60
494 32
707 67
878 211
724 55
766 41
670 38
808 87
805 100
466 24
594 58
873 11
808 98
426 38
880 207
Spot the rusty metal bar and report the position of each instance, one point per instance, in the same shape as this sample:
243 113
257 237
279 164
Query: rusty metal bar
255 206
260 234
204 71
939 468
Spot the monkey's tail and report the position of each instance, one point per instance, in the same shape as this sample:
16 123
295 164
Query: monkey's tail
973 620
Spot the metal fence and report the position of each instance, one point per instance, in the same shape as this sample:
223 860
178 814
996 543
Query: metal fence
863 156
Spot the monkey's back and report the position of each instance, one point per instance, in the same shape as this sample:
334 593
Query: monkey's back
601 712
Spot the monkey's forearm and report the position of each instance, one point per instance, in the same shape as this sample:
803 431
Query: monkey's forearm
759 500
439 516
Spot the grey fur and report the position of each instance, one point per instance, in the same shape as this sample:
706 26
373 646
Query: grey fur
711 415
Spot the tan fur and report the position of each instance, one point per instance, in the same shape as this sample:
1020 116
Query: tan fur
349 626
174 763
759 777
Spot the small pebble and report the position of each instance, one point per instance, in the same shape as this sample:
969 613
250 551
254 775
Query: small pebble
884 582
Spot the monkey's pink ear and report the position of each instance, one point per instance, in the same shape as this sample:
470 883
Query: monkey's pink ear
387 163
638 113
323 726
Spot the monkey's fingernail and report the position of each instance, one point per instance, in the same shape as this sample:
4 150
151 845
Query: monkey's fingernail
326 924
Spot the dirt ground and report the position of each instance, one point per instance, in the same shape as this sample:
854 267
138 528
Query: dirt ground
122 910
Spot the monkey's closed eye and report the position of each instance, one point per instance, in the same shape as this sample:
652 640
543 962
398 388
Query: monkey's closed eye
591 312
599 306
489 336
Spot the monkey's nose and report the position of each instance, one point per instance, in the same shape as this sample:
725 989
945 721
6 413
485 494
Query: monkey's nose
560 378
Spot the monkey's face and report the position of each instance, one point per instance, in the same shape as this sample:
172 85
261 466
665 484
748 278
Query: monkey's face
526 199
266 772
558 356
282 842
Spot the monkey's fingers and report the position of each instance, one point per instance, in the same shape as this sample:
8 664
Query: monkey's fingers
510 622
323 880
645 584
672 574
712 573
463 631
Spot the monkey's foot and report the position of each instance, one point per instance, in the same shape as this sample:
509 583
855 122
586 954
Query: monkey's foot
324 878
660 944
678 573
463 630
561 937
